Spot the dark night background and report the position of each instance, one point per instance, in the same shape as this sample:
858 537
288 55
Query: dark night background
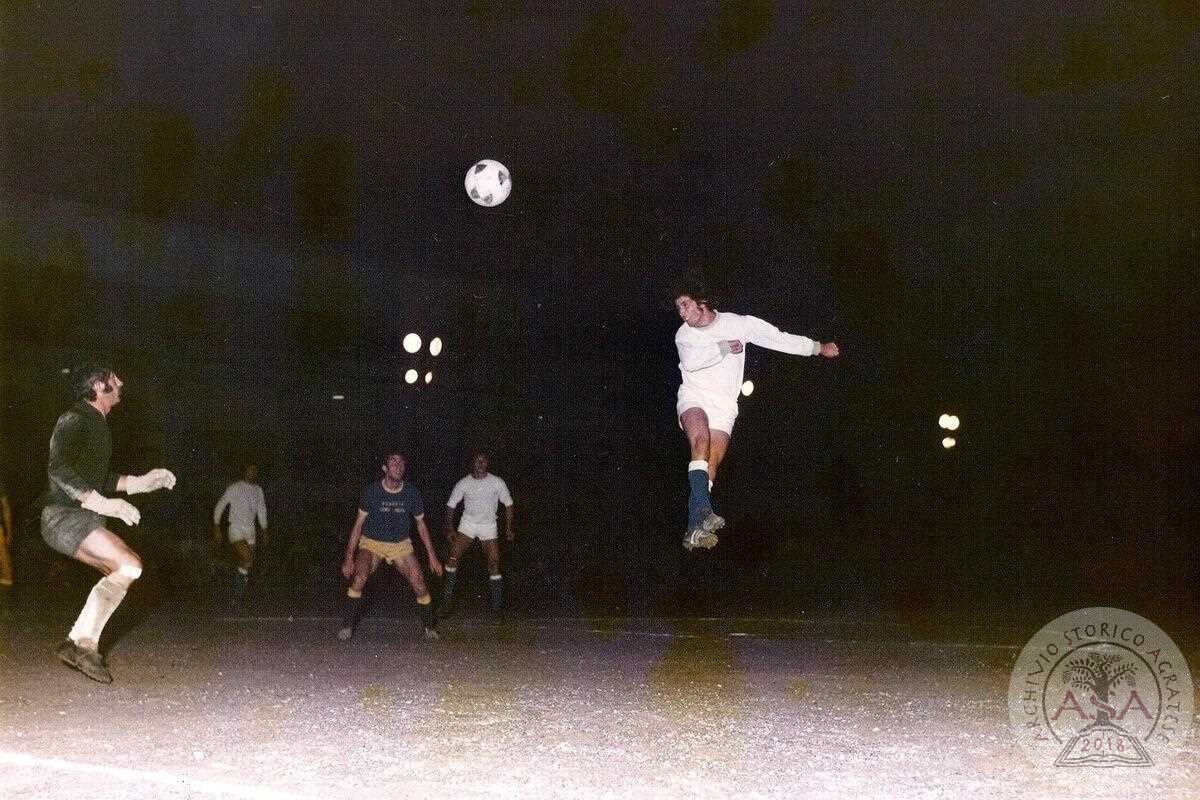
991 207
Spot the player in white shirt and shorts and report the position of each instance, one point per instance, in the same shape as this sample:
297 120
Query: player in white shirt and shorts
712 361
479 493
247 514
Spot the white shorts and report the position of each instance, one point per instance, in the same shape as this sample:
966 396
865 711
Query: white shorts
241 536
476 530
721 415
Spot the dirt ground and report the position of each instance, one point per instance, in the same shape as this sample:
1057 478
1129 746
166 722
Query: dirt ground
259 706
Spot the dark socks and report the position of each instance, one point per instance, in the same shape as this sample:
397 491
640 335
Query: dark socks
699 503
353 609
426 612
496 585
448 586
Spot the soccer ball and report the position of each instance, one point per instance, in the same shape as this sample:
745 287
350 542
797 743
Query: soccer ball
488 182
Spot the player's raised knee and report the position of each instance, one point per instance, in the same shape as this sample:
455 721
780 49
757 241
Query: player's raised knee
127 571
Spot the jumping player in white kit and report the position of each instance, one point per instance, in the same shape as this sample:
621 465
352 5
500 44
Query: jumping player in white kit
712 362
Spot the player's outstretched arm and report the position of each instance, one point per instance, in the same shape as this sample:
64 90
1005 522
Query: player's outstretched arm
764 334
509 533
435 566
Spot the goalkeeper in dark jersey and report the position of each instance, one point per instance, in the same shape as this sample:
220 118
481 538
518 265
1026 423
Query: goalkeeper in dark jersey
77 501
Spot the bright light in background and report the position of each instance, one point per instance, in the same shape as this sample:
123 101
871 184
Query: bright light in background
435 346
66 370
339 397
948 422
948 442
410 376
429 377
412 343
748 388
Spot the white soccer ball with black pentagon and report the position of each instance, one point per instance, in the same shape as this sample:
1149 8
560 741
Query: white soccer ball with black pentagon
488 182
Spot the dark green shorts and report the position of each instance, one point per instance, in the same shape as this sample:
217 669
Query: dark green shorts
65 527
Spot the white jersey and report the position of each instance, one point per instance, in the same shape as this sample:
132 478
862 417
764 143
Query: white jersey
709 376
479 497
246 502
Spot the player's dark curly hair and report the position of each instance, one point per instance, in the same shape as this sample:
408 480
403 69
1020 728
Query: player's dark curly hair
694 287
84 375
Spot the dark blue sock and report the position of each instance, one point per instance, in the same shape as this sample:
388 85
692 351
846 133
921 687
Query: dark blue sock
496 585
448 586
699 503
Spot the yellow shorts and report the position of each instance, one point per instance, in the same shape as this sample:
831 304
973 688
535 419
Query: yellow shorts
391 552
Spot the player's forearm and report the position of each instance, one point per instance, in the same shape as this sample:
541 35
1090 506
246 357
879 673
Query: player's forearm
789 343
508 518
423 532
352 544
767 335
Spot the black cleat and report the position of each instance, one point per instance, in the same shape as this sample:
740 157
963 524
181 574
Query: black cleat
89 662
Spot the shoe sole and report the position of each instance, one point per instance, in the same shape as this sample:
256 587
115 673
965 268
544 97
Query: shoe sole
712 523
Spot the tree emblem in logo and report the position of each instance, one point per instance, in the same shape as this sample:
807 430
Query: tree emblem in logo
1100 687
1099 674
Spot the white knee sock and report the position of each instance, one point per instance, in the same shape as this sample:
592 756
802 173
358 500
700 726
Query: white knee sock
106 595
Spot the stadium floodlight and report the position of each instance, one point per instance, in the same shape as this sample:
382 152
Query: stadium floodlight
948 442
435 346
339 397
412 343
410 376
948 422
429 377
747 388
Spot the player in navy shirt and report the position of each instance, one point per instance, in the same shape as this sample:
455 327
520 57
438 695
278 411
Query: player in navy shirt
382 531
